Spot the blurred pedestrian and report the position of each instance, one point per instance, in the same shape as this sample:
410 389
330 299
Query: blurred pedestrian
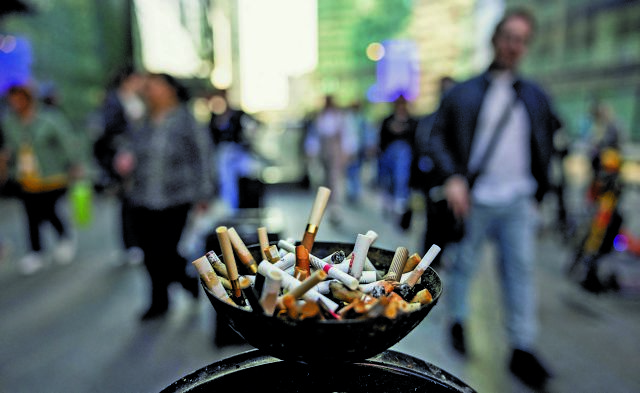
166 162
601 133
38 152
122 109
500 204
332 146
424 173
360 129
234 156
397 134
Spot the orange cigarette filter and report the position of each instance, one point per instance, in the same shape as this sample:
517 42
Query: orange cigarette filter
422 297
412 262
302 268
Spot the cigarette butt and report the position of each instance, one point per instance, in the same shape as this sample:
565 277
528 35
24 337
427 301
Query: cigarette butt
397 264
333 271
302 268
263 240
378 288
243 282
422 297
309 310
202 266
286 262
317 211
217 264
229 260
412 262
376 309
289 304
373 235
368 276
289 283
423 265
270 291
335 258
341 292
307 284
323 287
360 250
391 310
271 253
243 252
211 281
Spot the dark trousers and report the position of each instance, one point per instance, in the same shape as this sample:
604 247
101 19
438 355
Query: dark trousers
128 232
158 233
40 208
433 234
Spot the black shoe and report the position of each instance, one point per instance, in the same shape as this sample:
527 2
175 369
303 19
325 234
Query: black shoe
457 338
528 369
154 312
405 219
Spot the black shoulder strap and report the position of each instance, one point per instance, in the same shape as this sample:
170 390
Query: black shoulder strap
493 141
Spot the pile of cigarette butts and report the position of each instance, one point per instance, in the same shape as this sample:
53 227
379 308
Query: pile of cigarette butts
292 283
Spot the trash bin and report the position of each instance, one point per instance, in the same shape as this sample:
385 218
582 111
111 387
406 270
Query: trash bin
255 371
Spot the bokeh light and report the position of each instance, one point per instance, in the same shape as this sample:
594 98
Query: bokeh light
375 51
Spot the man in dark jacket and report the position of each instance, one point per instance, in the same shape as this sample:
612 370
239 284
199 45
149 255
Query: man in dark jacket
501 203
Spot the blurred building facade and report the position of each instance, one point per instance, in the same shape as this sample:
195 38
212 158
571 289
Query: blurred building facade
586 51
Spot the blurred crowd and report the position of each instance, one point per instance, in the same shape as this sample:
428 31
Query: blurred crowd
165 166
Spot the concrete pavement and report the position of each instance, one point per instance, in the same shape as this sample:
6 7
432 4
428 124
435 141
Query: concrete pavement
75 328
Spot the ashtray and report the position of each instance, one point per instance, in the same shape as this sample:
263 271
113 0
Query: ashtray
313 341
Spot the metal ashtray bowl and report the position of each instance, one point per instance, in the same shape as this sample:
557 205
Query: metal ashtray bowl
313 341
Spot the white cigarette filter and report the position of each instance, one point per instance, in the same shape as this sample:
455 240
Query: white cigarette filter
289 283
360 250
415 275
286 262
270 291
368 265
331 270
373 235
367 277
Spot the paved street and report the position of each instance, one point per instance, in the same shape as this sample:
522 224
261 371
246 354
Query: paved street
75 328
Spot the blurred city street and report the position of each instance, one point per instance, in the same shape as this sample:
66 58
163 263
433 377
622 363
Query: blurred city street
75 328
293 94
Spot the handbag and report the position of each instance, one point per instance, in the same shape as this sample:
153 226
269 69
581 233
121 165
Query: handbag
451 229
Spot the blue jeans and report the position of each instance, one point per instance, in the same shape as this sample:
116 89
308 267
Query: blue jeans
512 228
233 162
395 168
353 180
